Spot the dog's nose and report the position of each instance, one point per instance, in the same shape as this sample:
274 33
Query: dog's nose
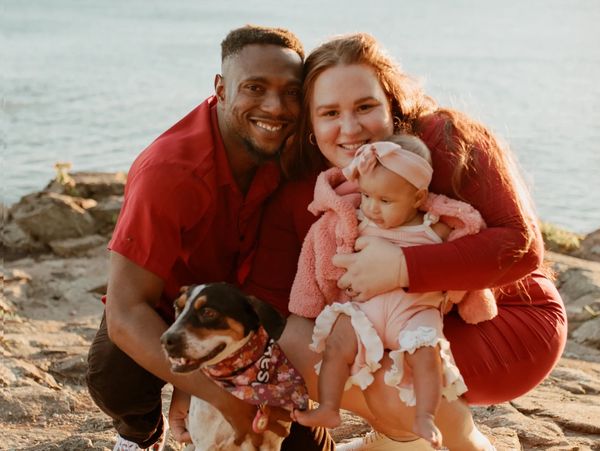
170 340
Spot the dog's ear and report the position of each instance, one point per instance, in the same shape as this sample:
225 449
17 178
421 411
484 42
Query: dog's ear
271 319
179 302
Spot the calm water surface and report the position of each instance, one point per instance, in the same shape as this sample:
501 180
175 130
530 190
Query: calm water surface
95 82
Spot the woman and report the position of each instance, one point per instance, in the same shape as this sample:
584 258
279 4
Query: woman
355 94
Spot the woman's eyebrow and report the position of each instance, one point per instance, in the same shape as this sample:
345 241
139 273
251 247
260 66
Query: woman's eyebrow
336 104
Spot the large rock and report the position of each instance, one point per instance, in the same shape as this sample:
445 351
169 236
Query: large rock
76 246
15 239
590 247
578 281
106 212
94 185
50 216
588 333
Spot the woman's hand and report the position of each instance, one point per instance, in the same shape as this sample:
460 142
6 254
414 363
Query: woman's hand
178 412
376 267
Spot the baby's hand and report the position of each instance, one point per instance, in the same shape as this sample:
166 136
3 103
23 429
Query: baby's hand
425 427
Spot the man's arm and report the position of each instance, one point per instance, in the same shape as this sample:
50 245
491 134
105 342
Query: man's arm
135 327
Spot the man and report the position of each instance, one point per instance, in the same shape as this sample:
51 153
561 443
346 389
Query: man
191 211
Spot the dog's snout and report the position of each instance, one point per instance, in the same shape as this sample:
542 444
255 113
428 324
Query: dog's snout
171 340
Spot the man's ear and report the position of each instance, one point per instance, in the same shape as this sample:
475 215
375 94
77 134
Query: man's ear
219 87
421 197
269 318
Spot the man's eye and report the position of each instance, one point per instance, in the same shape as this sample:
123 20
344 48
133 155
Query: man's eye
254 88
295 92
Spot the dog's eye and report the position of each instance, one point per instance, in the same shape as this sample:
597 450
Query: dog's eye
208 313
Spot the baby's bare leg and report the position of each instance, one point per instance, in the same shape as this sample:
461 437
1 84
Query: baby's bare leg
340 352
426 367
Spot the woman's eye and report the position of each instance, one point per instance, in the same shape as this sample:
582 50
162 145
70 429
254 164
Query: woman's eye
331 113
365 107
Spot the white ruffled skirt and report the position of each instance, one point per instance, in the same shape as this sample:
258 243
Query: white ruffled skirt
385 322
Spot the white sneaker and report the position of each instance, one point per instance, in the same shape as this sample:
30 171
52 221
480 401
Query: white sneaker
125 445
375 441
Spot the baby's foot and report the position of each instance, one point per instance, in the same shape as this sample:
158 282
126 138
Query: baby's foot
425 427
321 416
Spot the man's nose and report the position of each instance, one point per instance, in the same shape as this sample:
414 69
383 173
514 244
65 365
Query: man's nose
273 102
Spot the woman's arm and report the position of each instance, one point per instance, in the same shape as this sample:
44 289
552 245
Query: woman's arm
507 250
490 258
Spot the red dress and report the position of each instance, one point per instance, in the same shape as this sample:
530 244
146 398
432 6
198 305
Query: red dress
499 359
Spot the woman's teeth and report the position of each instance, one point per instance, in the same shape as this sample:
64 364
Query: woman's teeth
354 146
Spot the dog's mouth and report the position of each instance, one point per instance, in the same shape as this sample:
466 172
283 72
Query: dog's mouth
184 365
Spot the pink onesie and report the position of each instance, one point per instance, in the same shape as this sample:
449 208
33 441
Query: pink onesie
394 320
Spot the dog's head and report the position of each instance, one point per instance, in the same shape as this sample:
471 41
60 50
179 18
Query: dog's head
211 321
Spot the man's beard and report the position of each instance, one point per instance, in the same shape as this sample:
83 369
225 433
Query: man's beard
259 155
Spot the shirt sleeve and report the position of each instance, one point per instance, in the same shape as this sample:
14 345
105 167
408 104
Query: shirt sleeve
489 258
160 204
285 223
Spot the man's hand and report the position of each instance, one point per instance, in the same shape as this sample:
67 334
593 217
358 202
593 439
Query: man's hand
178 412
376 267
240 415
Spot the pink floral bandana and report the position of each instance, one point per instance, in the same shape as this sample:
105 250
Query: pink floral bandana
261 374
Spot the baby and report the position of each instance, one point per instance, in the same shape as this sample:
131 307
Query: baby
393 179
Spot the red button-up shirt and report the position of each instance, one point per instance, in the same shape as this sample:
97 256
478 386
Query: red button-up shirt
184 217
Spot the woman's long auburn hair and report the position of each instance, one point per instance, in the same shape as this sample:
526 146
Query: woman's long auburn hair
464 136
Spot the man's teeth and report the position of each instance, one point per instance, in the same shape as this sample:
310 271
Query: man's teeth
271 128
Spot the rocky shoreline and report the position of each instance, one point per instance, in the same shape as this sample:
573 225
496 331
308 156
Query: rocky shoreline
55 266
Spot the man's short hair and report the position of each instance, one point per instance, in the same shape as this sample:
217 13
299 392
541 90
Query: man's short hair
239 38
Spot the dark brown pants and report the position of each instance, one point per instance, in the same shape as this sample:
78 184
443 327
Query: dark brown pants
131 396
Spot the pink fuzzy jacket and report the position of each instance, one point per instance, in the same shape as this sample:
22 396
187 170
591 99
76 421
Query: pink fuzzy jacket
315 284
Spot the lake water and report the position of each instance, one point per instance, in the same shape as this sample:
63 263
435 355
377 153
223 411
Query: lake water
93 83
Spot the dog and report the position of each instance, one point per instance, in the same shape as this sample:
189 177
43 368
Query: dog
219 330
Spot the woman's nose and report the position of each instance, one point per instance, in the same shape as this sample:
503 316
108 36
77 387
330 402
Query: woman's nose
350 124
